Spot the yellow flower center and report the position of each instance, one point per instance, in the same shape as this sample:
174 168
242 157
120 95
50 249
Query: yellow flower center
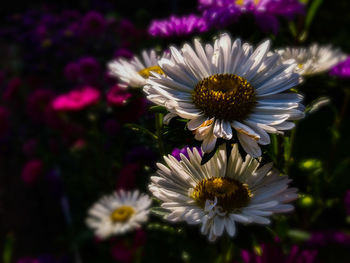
225 96
230 193
241 2
122 213
146 72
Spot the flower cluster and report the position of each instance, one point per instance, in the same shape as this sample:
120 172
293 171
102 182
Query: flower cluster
143 144
221 13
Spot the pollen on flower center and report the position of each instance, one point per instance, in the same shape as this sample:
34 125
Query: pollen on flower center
225 96
230 193
146 72
122 213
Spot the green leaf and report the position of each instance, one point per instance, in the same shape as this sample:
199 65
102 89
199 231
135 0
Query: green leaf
158 109
141 129
8 248
316 104
312 12
298 234
160 211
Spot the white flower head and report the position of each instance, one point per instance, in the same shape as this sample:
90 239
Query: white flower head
222 192
118 213
227 88
313 59
134 72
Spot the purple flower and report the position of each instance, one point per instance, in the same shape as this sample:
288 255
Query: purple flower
341 70
141 154
178 26
323 238
223 12
176 152
90 69
72 71
219 13
93 24
123 52
272 253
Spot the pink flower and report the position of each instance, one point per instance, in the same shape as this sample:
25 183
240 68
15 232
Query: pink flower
124 251
78 145
37 103
32 170
12 88
117 96
76 100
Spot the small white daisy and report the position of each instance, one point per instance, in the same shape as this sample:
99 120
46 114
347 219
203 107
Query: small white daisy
314 59
118 213
133 73
228 87
221 192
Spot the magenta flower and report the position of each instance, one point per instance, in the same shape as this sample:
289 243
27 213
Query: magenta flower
76 100
341 70
124 252
178 26
117 96
28 260
31 171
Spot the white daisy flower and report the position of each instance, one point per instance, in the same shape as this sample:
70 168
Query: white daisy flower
314 59
221 192
118 213
228 87
134 73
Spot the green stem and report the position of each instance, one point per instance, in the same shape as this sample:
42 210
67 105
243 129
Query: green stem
159 124
336 128
288 156
225 250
